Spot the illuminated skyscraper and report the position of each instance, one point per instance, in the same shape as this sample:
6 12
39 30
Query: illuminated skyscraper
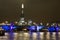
22 19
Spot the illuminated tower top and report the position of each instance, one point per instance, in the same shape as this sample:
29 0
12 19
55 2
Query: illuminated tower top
22 8
22 12
22 5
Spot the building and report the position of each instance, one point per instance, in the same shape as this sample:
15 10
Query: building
22 19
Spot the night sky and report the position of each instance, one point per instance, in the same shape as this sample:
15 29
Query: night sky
37 10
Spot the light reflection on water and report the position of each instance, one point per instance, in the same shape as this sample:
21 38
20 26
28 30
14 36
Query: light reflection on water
31 36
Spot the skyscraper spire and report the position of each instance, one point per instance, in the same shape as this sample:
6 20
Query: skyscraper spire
22 11
22 6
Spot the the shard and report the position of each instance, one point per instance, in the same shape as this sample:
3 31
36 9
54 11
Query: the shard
22 19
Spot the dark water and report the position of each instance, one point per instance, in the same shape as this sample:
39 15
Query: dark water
31 36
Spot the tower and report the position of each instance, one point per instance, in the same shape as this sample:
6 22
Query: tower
22 19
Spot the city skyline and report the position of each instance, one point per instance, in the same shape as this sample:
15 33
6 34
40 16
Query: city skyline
37 10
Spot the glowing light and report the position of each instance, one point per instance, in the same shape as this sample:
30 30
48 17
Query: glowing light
6 27
51 29
32 28
3 23
6 22
22 21
41 23
22 5
25 29
11 27
39 27
34 23
47 24
35 28
58 24
53 24
16 22
57 28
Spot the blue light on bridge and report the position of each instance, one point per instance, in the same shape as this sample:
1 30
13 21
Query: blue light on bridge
12 26
32 28
35 28
57 28
39 27
51 29
6 27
